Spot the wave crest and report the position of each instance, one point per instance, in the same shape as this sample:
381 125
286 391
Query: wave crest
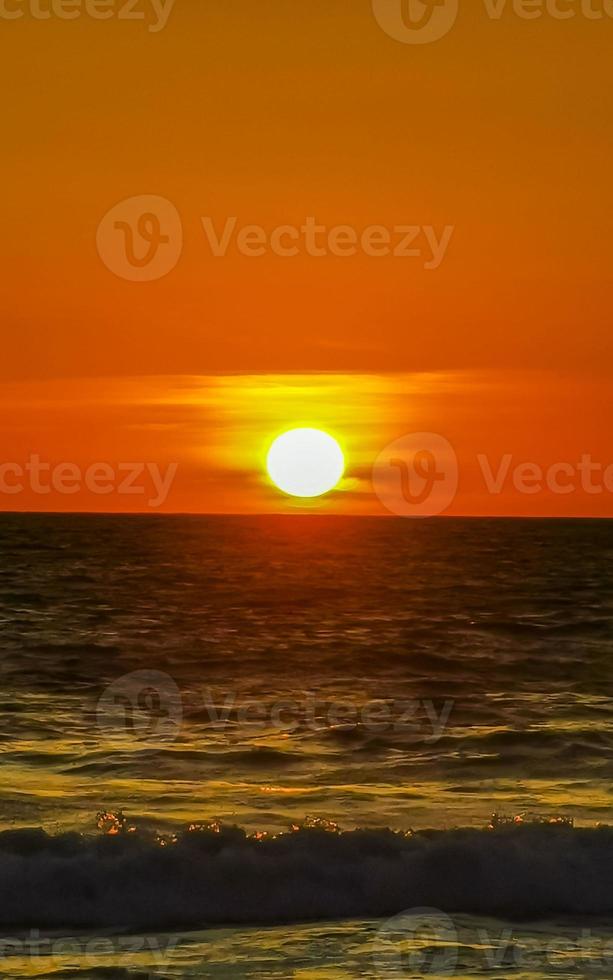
213 875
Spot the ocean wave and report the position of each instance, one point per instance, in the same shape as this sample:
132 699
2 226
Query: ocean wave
220 876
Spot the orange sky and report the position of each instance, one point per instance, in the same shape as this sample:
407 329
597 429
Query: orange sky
273 111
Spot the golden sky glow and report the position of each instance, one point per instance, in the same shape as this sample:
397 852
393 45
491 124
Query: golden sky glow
217 430
274 111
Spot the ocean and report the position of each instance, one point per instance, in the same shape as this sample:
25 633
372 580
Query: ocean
274 746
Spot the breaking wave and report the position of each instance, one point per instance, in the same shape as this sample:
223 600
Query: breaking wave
213 875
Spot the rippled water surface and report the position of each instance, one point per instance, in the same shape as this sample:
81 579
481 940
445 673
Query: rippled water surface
253 671
369 671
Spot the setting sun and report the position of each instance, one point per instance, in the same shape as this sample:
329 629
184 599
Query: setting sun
305 462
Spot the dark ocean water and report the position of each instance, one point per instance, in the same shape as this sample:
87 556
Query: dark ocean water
258 671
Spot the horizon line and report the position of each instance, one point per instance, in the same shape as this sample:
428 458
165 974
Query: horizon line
259 514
